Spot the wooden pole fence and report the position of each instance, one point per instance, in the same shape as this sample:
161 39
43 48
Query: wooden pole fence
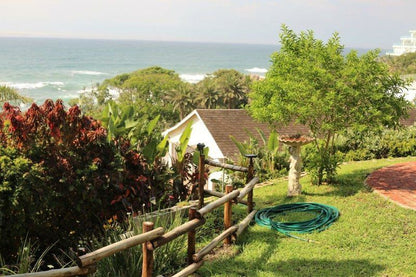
226 166
191 236
189 269
176 232
207 249
218 202
220 194
147 267
201 183
245 222
249 187
228 214
109 250
69 271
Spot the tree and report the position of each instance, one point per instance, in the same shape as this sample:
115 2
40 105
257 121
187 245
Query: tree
146 90
313 83
207 96
225 88
12 95
182 99
232 86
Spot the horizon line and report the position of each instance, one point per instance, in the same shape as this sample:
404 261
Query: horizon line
39 36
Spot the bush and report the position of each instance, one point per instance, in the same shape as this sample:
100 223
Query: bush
321 164
60 178
378 145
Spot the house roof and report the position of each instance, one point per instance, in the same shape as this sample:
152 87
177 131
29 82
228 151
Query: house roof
223 123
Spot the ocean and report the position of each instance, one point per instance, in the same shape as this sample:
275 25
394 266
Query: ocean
63 68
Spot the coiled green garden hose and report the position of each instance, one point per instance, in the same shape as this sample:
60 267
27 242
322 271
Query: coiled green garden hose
326 215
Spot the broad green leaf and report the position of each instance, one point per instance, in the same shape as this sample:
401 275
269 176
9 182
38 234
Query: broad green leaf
273 142
152 124
162 145
239 145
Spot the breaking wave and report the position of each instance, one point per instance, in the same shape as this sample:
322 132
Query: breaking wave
256 70
88 72
192 78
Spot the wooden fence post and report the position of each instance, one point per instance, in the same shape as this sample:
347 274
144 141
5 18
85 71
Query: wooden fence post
250 175
147 268
228 214
191 237
201 167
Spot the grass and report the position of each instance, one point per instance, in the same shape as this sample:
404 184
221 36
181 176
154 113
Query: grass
372 237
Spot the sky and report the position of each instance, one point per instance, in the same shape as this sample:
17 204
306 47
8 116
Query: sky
360 23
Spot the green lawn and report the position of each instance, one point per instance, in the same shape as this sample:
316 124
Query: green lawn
373 237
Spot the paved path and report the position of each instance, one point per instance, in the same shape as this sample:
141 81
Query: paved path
397 183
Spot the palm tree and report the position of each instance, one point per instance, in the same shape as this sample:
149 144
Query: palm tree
181 98
232 86
12 95
207 96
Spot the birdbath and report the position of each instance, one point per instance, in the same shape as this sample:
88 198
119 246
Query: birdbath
294 143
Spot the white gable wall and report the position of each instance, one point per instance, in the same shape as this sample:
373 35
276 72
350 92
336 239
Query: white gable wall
200 134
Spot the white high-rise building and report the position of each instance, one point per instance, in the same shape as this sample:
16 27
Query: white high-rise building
408 45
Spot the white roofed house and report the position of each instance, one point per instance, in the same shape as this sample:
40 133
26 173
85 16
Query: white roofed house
213 127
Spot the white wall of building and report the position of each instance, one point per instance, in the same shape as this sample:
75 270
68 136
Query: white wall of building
199 134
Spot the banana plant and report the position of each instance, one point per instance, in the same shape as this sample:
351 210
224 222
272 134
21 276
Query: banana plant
119 120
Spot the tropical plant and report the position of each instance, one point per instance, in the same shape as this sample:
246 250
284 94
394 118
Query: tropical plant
8 94
232 87
118 120
182 99
315 84
271 161
224 88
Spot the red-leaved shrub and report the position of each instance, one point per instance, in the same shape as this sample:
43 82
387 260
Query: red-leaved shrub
60 179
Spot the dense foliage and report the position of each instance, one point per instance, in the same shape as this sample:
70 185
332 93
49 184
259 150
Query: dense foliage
313 83
377 145
60 177
156 91
403 64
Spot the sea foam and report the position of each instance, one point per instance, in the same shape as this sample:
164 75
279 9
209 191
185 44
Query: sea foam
256 70
88 72
32 85
192 78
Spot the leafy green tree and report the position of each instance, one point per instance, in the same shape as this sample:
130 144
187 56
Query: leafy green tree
146 89
313 83
8 94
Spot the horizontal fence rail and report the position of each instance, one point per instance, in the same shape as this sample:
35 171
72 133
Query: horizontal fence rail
69 271
151 238
226 166
111 249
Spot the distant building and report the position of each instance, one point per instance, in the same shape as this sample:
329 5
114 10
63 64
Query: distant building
408 45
